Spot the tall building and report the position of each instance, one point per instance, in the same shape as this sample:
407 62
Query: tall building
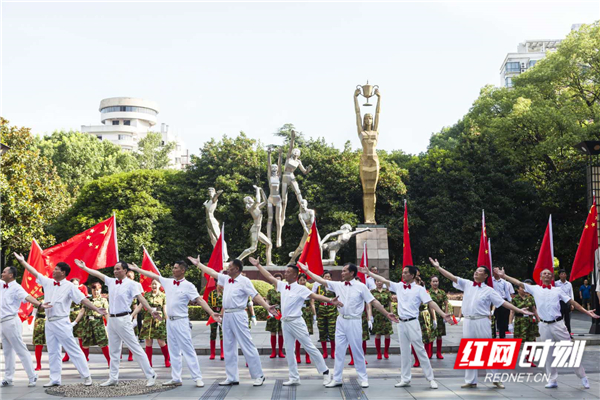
126 120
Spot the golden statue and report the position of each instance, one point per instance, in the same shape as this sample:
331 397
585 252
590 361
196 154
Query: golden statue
369 162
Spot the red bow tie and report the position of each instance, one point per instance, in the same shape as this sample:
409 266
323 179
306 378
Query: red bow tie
176 283
287 287
6 286
407 286
477 284
56 283
118 282
348 283
231 280
546 286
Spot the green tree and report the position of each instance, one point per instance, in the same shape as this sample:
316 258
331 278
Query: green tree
153 153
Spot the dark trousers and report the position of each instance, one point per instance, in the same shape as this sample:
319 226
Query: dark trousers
565 312
501 315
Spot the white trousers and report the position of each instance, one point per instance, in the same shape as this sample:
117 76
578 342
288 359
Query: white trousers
235 330
180 343
476 329
60 333
296 330
120 330
556 332
12 342
409 333
348 332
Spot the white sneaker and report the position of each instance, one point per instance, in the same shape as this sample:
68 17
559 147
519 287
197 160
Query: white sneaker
551 385
199 383
87 381
333 383
33 381
108 383
364 384
172 383
327 378
291 382
585 382
47 385
403 384
433 384
227 382
499 385
151 381
259 381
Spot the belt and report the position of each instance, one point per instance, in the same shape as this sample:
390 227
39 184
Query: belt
57 318
351 316
551 322
409 319
232 310
288 319
8 318
475 316
325 304
120 314
176 317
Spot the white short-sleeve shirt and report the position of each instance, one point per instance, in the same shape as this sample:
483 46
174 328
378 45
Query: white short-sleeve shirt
178 296
353 294
315 287
409 299
503 288
547 301
11 297
567 287
60 295
371 285
120 296
236 291
477 300
293 297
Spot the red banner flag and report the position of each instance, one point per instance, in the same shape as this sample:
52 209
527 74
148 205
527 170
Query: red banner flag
364 262
97 247
588 244
484 258
545 258
216 262
311 253
147 265
406 250
29 282
211 320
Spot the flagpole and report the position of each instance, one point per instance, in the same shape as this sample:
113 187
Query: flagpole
115 229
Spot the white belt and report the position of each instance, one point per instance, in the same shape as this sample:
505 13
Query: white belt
475 316
8 318
288 319
232 310
175 318
351 316
57 318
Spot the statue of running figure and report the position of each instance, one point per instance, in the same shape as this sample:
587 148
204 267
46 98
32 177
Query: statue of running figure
254 207
274 200
291 163
344 234
214 230
306 217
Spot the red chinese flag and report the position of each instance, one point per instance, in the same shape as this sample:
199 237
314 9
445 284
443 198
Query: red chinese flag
29 282
484 257
147 265
588 244
211 320
364 262
545 258
311 253
216 262
97 247
406 251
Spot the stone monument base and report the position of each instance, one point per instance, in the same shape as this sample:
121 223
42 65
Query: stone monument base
377 248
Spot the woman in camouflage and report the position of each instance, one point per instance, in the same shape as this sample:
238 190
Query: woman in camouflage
215 302
309 314
39 335
92 323
382 325
524 327
326 315
77 327
439 297
273 324
151 327
426 318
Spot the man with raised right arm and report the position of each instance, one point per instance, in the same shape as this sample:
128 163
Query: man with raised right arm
552 326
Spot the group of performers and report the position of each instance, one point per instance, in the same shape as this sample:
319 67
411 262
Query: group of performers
343 311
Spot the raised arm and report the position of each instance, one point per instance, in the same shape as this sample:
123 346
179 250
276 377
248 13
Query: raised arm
140 271
279 172
211 272
199 300
442 271
329 235
377 109
502 275
304 170
270 278
380 278
269 150
90 271
25 264
265 198
311 274
292 140
216 196
359 126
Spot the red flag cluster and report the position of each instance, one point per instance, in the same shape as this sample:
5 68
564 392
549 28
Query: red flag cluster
311 253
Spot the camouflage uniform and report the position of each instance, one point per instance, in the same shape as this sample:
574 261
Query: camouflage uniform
77 329
274 299
382 325
215 301
39 335
426 324
94 331
524 326
308 316
152 328
365 325
326 316
440 299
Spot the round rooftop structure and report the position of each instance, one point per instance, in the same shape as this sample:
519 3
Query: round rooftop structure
128 108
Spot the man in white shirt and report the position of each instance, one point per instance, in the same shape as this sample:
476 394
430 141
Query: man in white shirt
476 305
294 327
179 293
501 314
567 287
60 293
11 297
410 297
236 290
552 327
121 291
348 331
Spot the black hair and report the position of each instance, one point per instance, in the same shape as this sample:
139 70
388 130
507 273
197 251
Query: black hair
12 270
302 275
326 272
434 276
75 279
238 264
182 264
528 281
124 265
295 268
412 270
96 283
277 275
562 271
352 268
486 270
64 267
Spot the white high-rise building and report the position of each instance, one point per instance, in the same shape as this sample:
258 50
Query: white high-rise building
126 120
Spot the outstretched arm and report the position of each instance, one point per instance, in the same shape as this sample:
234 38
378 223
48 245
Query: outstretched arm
258 299
206 307
37 303
314 276
25 264
87 303
510 306
149 274
502 275
155 313
391 316
90 271
380 278
437 309
361 230
329 235
578 307
304 170
211 272
324 299
442 271
216 196
270 278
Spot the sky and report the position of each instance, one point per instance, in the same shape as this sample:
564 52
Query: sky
220 68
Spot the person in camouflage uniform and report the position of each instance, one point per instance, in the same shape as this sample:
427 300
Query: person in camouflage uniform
439 297
524 327
153 328
273 324
215 301
326 316
92 323
309 313
382 325
39 335
77 328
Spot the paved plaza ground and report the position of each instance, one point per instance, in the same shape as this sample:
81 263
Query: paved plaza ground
383 375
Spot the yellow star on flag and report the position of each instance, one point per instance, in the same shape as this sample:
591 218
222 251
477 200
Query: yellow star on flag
586 226
90 244
88 237
92 230
105 230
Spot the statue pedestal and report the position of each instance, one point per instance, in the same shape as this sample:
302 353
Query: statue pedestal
377 248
